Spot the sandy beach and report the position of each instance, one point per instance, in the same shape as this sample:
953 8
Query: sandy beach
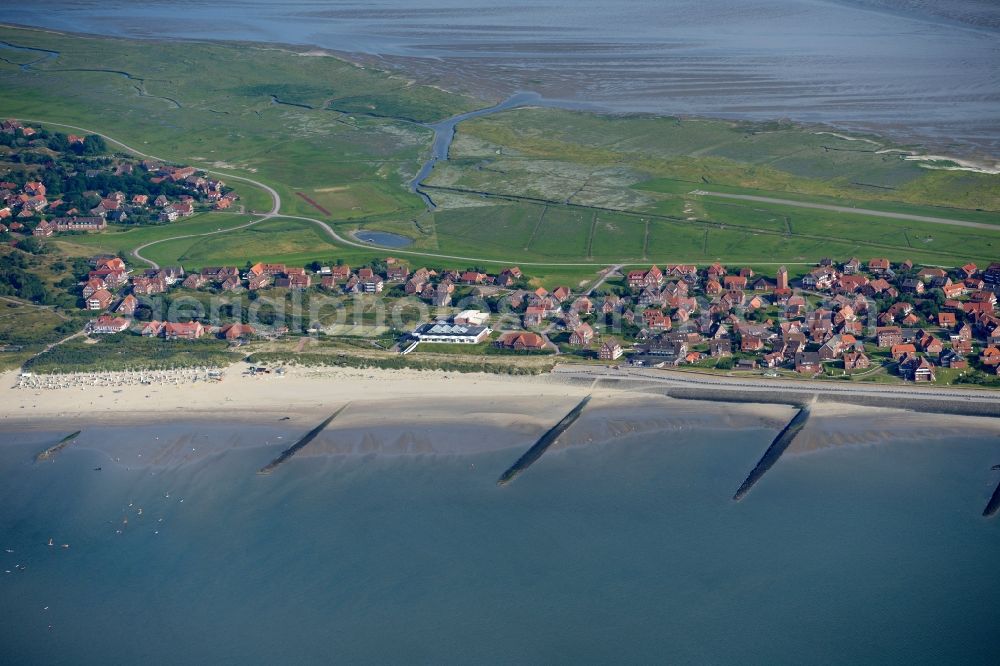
121 398
392 412
412 412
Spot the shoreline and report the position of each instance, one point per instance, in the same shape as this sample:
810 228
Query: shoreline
436 412
157 395
892 137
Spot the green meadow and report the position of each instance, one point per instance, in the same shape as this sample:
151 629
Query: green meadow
565 193
586 153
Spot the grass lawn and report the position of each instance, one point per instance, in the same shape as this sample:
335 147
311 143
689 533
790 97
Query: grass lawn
270 240
126 238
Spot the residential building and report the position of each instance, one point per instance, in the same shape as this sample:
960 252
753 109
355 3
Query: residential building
236 331
99 300
916 369
106 324
889 336
521 341
611 350
582 335
183 331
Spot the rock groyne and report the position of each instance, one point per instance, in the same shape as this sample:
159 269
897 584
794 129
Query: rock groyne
53 451
297 446
774 452
535 452
993 506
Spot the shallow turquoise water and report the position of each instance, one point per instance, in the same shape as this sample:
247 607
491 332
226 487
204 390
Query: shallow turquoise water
630 551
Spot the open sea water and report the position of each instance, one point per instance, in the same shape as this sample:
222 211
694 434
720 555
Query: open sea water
630 551
923 69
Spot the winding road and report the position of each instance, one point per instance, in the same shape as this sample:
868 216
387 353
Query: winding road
275 212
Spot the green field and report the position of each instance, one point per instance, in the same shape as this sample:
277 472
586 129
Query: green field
564 193
590 153
125 238
271 240
210 105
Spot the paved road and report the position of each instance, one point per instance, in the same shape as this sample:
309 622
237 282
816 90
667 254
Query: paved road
604 276
759 384
848 209
337 238
136 251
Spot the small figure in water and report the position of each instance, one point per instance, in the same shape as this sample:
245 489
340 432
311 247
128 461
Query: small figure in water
50 541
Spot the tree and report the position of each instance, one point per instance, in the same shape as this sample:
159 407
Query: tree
143 312
58 142
31 245
94 145
81 268
378 266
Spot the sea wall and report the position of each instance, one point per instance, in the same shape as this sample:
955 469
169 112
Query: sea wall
932 405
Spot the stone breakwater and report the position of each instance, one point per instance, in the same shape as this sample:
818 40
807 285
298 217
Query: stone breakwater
774 451
993 506
532 455
287 454
957 406
53 451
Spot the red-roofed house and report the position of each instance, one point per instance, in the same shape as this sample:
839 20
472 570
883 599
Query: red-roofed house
878 266
99 300
128 305
582 335
236 331
521 341
151 329
106 324
183 331
946 320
